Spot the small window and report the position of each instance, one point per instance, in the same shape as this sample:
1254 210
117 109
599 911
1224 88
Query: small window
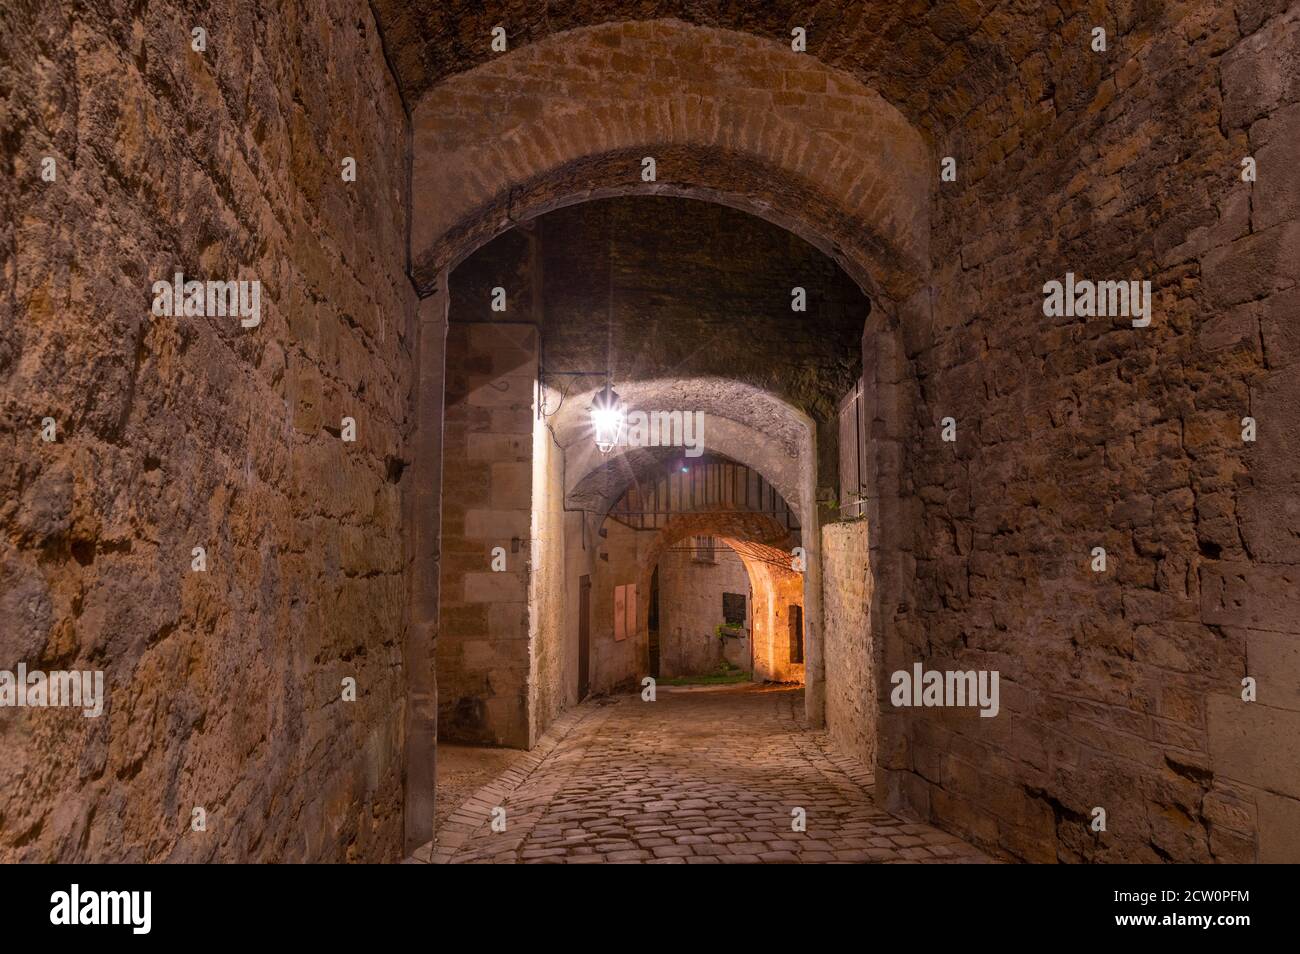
733 609
705 550
796 633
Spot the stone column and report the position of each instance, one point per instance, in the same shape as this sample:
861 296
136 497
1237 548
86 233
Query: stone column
889 522
422 495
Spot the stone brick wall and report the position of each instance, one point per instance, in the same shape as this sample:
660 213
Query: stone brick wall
617 559
690 611
658 287
224 687
1121 689
552 681
483 652
851 701
1250 580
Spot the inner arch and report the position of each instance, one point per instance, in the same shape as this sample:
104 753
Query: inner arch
686 308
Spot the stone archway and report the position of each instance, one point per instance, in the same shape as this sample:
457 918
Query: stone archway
827 159
747 424
759 431
750 124
1122 163
884 395
765 547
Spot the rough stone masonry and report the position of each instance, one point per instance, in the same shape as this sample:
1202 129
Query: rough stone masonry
224 686
232 523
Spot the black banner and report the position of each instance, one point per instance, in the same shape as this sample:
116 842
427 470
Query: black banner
218 903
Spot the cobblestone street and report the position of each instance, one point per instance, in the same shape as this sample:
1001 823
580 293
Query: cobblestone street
699 776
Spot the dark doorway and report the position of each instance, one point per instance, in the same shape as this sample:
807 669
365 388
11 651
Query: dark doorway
796 633
653 623
584 637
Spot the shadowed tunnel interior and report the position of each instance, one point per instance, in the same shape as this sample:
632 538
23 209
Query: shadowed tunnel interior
731 344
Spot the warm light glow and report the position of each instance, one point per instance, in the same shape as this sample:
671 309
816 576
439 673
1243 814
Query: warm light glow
607 419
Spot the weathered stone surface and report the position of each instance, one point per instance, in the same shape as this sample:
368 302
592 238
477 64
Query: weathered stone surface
1279 829
1256 265
1263 71
1255 744
851 673
1256 595
1277 657
224 686
839 166
1081 433
690 599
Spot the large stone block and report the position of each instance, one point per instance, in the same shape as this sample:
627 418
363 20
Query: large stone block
1254 743
492 587
513 393
1261 596
1279 324
1252 267
1273 659
498 447
1262 72
1279 829
512 484
498 526
1276 145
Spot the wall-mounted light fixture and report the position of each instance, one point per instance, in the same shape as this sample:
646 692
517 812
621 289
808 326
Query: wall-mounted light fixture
608 417
607 412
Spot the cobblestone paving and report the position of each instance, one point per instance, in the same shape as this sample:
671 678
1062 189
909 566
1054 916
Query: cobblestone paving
700 777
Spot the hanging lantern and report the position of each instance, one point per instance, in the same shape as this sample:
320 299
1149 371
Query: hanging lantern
608 417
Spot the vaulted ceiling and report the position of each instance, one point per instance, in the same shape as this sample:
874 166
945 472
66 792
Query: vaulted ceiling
933 59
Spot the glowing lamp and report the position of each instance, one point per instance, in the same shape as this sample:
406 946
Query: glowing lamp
607 419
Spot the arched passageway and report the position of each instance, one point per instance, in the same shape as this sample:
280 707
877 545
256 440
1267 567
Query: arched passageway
751 413
520 467
699 615
881 252
243 525
755 630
